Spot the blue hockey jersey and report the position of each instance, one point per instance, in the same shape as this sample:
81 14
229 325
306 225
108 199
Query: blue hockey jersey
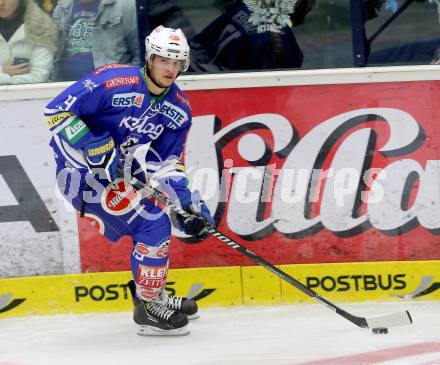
115 98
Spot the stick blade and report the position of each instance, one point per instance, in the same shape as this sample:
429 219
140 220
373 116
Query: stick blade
390 320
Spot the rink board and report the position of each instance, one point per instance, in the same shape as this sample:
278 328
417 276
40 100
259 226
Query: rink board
226 286
269 153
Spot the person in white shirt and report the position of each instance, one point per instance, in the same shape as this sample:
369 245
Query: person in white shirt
28 38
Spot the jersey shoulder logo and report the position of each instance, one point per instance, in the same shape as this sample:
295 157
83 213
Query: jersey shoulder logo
182 98
122 81
109 67
54 120
74 130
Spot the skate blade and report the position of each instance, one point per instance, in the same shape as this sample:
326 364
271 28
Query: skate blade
144 330
193 316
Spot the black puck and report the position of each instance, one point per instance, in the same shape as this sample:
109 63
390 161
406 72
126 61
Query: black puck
380 330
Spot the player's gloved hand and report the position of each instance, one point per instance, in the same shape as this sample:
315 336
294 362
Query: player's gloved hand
101 158
199 220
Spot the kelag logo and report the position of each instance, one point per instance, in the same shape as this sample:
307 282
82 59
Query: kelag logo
425 287
6 304
121 291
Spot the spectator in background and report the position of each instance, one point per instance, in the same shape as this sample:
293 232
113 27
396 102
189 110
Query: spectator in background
47 5
168 14
94 33
27 42
251 35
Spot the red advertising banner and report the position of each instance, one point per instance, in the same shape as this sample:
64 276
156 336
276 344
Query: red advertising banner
308 174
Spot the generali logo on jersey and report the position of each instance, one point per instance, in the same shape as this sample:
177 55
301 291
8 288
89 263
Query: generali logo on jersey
122 81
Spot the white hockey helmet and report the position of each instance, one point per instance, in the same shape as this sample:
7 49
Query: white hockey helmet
169 43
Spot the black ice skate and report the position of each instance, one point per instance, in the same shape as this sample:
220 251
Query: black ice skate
184 305
181 304
155 319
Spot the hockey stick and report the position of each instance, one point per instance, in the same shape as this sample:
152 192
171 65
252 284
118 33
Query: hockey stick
385 321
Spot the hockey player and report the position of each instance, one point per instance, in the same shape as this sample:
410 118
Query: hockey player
137 119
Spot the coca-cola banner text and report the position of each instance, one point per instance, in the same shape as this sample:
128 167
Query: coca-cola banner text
308 174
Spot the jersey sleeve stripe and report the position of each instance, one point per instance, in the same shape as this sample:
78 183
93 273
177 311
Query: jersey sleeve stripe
73 156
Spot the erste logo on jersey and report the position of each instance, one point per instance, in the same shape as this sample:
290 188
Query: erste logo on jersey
128 99
173 112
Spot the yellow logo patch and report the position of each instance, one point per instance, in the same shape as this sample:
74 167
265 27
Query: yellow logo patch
54 120
103 149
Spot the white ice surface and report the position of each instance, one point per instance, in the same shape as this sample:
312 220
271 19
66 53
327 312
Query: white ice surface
277 335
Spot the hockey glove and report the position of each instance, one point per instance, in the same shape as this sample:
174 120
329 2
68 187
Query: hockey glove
199 221
101 158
